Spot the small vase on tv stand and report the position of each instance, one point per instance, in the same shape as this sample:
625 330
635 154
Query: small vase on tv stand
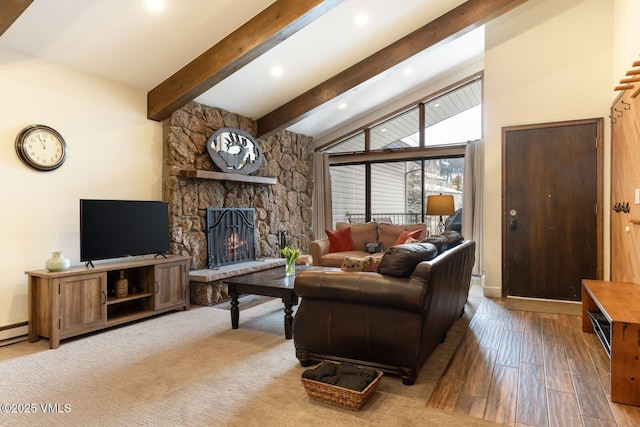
57 262
122 286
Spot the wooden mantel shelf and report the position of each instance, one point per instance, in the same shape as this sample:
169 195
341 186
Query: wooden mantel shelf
221 176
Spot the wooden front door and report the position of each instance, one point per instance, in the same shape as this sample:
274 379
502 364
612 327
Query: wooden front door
552 208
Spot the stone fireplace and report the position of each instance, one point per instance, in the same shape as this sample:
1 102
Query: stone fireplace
283 206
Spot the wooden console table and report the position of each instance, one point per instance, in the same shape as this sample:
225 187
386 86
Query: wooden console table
612 311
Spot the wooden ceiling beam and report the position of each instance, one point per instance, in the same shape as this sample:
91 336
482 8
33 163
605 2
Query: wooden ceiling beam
449 26
264 31
11 10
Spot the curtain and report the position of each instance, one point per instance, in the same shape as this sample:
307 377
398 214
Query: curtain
473 195
322 209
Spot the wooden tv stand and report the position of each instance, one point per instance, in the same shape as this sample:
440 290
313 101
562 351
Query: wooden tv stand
612 311
83 299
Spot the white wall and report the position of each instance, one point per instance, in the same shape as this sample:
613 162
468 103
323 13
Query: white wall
545 61
113 152
626 33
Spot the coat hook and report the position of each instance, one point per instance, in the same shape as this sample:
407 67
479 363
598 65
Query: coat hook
621 207
620 113
613 119
627 106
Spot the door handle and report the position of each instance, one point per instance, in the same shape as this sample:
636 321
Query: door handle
513 224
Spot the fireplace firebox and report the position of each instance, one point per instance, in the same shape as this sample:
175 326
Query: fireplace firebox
230 236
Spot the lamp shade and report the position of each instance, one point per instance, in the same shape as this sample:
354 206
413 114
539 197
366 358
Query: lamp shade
441 204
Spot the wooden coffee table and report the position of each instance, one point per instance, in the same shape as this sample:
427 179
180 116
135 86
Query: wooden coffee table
271 283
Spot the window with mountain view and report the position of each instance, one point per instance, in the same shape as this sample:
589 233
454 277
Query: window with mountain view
396 164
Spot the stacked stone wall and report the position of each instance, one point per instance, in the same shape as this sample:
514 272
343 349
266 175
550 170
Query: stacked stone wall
285 206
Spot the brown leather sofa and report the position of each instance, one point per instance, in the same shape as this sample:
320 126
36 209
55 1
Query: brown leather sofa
380 320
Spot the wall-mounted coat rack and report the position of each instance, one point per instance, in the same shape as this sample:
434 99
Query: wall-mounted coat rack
630 82
621 207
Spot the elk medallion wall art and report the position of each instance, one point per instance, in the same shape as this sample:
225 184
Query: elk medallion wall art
234 151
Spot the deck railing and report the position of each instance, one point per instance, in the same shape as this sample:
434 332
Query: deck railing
394 218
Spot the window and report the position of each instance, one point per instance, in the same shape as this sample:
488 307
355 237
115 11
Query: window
397 192
386 172
397 132
350 145
444 176
455 116
348 191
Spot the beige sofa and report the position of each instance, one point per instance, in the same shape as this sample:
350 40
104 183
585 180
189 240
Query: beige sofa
382 232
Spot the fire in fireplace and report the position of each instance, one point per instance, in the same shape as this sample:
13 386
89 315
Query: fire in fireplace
230 236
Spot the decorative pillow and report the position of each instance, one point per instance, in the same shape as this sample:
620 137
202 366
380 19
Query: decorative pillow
401 260
373 247
367 263
360 233
340 240
402 238
451 240
435 239
411 240
445 241
388 233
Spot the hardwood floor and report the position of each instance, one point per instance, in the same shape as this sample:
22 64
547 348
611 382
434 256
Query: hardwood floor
524 368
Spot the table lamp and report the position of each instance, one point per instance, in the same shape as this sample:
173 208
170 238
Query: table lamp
440 205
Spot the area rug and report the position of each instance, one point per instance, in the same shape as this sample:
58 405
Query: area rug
545 306
190 368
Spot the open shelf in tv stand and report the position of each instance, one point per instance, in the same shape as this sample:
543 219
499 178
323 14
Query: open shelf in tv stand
83 299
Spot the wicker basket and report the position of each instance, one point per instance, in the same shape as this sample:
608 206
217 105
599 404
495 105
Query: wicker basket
340 396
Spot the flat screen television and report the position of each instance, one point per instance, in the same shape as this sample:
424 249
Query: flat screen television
121 228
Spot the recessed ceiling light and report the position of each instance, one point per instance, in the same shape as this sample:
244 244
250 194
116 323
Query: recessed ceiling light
408 71
383 130
277 71
154 5
361 20
436 104
342 105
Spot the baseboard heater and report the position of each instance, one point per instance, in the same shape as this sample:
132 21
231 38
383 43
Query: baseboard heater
14 333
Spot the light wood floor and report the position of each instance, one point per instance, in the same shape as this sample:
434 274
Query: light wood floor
530 369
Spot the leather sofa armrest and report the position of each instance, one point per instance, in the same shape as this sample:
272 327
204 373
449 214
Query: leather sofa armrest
363 288
317 249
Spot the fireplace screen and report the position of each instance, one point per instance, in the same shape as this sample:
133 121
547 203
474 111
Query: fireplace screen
230 236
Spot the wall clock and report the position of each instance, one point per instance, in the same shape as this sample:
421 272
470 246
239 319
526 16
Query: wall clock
41 147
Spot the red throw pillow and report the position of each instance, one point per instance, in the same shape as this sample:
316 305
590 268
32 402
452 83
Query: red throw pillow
340 240
405 235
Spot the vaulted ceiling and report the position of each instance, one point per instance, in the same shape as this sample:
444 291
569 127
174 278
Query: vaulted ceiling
303 65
